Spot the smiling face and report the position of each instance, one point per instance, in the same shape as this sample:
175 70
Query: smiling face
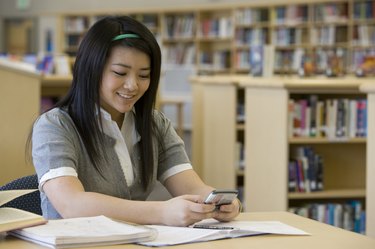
126 78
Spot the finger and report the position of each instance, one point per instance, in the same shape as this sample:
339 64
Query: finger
192 198
202 208
195 217
197 205
227 208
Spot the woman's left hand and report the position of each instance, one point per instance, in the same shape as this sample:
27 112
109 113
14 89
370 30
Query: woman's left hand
228 212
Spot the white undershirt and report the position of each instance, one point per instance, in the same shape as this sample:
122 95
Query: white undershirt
111 128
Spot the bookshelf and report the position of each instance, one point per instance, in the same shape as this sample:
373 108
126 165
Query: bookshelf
178 38
75 27
218 39
215 35
343 159
267 144
251 29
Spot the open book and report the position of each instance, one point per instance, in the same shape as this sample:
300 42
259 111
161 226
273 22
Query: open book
84 232
211 229
12 218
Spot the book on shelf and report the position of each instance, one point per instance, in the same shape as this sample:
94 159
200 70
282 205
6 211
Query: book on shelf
13 218
348 215
256 60
361 118
305 170
338 118
62 65
179 26
331 12
76 24
240 155
364 10
210 229
262 60
216 27
250 16
84 232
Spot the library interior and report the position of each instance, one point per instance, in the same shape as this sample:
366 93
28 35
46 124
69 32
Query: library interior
275 99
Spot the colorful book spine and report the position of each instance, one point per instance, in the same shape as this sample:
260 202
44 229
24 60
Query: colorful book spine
340 118
305 170
348 215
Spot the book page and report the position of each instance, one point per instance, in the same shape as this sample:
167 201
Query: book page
14 215
12 218
8 195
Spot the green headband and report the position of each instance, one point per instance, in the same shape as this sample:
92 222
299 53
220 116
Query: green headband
123 36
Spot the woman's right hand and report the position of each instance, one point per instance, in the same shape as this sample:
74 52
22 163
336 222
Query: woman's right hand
185 210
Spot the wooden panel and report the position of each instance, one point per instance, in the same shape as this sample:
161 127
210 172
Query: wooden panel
219 137
265 183
370 172
19 106
329 194
197 129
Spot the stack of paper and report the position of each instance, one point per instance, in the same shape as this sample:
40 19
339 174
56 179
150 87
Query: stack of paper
87 231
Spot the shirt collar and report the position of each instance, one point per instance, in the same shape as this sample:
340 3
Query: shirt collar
129 121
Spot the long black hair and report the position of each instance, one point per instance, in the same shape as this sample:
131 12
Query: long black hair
83 96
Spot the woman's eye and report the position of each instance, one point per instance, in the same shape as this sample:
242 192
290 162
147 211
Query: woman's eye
144 76
119 73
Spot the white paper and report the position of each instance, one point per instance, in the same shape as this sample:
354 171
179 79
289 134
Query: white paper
273 227
168 235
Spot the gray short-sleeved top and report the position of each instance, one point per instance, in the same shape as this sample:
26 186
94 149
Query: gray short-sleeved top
56 143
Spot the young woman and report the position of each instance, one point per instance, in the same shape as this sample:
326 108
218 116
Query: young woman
101 149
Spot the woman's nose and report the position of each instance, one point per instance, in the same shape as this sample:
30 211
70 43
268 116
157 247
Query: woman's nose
131 83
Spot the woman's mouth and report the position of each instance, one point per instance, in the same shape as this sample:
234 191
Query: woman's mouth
125 96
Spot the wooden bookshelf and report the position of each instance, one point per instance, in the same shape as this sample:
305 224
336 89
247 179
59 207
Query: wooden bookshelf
179 37
329 194
323 140
217 39
267 144
369 89
269 147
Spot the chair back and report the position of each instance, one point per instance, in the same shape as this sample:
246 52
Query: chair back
29 202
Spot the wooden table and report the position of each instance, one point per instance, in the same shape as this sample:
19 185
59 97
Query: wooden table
322 236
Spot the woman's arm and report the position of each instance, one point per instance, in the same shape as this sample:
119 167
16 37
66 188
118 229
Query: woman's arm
70 199
188 182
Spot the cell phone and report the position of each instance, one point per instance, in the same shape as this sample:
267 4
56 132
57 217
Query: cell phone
221 197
